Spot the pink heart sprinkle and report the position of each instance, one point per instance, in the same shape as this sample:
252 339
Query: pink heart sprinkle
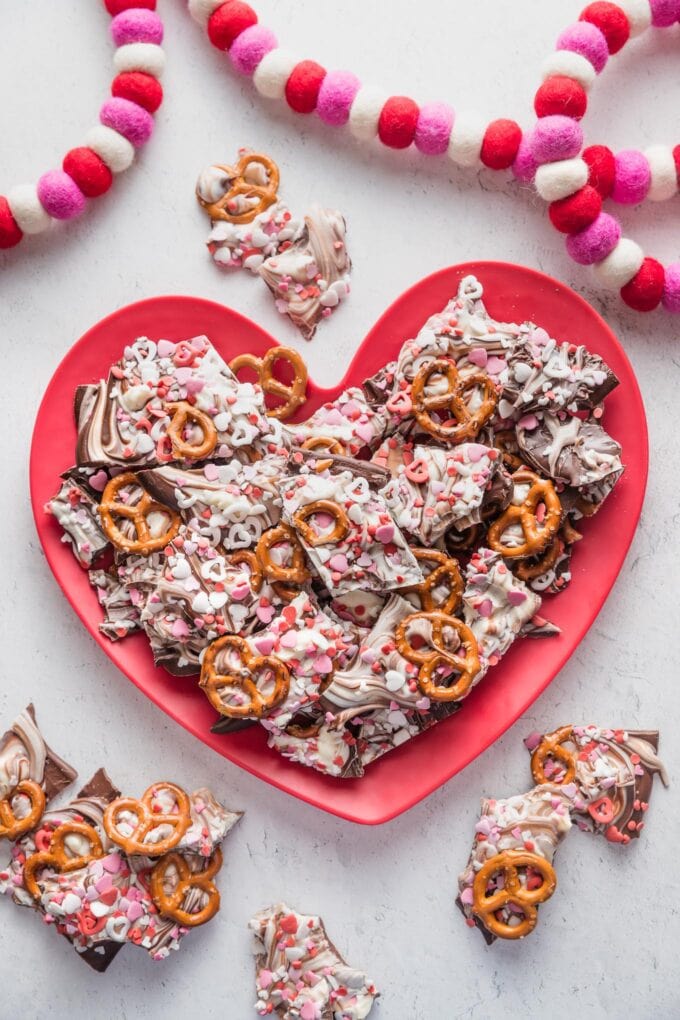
485 608
182 375
516 597
495 366
165 348
529 422
180 629
323 664
241 593
309 1011
134 911
194 386
190 548
99 480
265 978
211 472
265 614
385 533
475 452
103 884
338 562
289 639
478 356
264 645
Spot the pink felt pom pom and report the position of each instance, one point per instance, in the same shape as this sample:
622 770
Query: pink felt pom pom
587 40
664 12
671 290
128 119
632 177
250 47
336 95
554 138
595 242
60 196
525 166
137 26
433 130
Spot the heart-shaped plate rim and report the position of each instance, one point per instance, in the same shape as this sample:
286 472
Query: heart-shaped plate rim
407 775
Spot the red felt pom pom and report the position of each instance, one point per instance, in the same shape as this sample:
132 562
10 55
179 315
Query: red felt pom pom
10 233
398 122
560 95
501 143
645 290
602 168
140 88
116 6
89 171
302 88
569 215
676 158
228 21
611 21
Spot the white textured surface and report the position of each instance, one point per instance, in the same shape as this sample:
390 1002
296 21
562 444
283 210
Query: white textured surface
607 942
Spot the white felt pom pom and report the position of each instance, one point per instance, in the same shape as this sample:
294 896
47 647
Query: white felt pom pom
467 137
664 182
115 150
569 65
200 10
365 112
620 266
559 180
140 57
26 209
273 72
639 14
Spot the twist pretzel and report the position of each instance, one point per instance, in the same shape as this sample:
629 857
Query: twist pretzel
446 572
170 903
321 506
485 905
551 747
227 207
463 541
12 827
468 423
536 538
248 557
326 443
436 654
292 394
181 413
111 507
213 681
296 574
149 819
527 571
56 855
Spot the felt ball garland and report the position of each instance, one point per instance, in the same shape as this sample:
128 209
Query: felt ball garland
573 180
125 124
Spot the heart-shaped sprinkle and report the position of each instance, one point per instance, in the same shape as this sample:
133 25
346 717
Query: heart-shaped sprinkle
99 480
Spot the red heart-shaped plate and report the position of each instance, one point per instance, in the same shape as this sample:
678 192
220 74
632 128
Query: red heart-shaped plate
407 775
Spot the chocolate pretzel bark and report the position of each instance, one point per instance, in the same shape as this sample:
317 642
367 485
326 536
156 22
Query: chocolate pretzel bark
97 895
439 489
546 375
299 972
76 511
26 758
352 421
606 773
242 500
311 277
166 402
121 605
510 872
463 332
348 533
575 453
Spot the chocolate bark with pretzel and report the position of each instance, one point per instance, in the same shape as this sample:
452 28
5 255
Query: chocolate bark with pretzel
76 511
354 423
607 774
107 871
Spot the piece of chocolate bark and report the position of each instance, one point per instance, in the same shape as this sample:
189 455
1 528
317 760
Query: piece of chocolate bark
76 512
25 756
300 975
354 423
606 773
311 277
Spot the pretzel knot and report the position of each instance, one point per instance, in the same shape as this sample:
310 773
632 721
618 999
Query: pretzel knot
486 904
57 855
138 514
285 580
148 835
12 827
245 199
434 656
445 573
293 394
322 506
252 702
182 412
527 571
452 402
170 896
551 746
537 534
249 558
